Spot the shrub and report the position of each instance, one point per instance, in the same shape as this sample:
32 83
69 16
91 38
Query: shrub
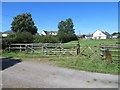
20 37
45 39
23 37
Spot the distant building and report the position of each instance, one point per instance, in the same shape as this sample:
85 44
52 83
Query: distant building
85 36
98 34
49 33
115 36
6 33
89 36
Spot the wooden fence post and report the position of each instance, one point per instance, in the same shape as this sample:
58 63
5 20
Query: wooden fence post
9 47
78 49
20 48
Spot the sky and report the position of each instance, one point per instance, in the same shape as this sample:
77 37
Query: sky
87 16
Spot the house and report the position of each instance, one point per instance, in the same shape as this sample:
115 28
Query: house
81 37
49 32
85 36
88 37
6 33
116 35
98 34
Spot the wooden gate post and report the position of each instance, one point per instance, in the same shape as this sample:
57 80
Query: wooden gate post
78 49
9 47
20 48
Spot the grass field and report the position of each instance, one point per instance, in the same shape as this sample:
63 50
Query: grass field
91 42
80 62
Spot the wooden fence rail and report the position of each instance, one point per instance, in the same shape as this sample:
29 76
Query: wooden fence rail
45 48
114 49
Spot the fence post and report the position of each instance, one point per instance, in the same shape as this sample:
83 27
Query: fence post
78 49
9 47
105 53
20 48
26 48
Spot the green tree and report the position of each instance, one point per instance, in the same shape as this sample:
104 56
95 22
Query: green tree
66 31
23 23
23 37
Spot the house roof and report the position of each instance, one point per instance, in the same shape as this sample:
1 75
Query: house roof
48 32
45 31
104 32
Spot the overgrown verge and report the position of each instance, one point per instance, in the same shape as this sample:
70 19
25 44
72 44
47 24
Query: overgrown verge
75 62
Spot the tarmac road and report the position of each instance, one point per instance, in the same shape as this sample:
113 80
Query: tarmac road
29 74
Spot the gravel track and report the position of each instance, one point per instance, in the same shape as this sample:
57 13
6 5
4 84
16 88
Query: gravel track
29 74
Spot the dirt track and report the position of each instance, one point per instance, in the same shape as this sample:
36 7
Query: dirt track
41 75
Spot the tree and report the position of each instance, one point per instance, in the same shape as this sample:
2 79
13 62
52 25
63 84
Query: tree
66 31
23 37
23 23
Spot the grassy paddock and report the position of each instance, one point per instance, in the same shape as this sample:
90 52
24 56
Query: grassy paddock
91 42
93 64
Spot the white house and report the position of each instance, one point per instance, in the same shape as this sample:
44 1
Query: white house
98 34
4 34
115 36
88 37
49 32
44 32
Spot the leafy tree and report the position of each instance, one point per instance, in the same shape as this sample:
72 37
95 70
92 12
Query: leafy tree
24 22
66 31
23 37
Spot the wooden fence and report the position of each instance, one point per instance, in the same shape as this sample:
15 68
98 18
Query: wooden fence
45 48
51 50
113 48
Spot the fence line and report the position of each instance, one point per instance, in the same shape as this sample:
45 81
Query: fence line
113 49
46 48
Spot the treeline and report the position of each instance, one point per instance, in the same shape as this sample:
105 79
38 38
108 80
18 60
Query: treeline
24 31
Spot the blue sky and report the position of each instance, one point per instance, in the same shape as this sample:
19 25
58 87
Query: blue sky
87 16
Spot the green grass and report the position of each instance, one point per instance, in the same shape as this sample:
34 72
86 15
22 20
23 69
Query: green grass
22 55
81 63
91 42
94 45
93 64
75 62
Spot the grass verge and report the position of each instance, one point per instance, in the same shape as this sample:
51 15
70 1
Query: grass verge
75 62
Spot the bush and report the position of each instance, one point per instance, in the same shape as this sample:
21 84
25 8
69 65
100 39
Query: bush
20 37
66 37
45 39
23 37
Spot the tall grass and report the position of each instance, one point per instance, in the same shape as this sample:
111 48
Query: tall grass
86 64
